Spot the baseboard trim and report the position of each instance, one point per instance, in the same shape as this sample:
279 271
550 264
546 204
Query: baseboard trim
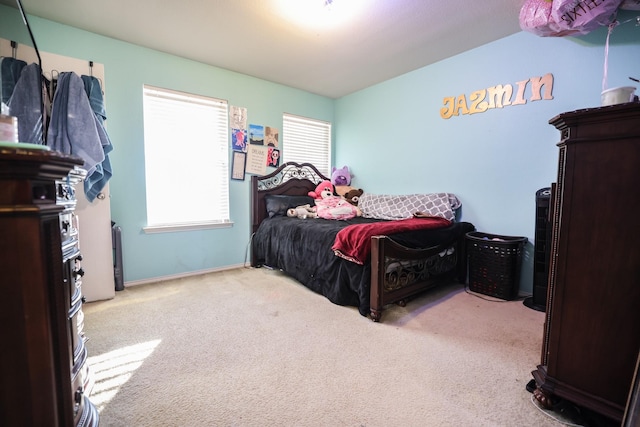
131 283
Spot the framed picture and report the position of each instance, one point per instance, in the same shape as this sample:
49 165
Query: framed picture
238 164
257 159
273 157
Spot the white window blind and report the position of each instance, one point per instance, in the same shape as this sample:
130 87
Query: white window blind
186 160
306 140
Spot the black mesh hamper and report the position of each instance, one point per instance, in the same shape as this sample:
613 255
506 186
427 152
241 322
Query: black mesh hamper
494 264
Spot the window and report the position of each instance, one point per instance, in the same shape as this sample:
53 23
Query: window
306 141
186 160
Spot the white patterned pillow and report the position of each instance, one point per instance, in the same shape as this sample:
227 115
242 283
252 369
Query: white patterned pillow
404 206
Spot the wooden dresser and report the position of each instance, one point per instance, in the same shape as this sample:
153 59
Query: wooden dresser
592 327
43 369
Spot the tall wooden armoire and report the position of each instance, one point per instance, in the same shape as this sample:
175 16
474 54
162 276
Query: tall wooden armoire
592 328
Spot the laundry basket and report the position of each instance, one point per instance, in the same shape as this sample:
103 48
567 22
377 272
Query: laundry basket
494 264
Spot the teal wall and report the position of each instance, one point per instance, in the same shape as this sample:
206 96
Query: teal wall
391 135
127 68
395 141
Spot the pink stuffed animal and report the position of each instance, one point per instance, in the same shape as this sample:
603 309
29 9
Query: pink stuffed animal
330 206
335 207
322 191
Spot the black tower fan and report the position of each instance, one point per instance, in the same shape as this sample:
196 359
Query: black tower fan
542 243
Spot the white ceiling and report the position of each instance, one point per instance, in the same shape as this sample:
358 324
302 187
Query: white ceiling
380 40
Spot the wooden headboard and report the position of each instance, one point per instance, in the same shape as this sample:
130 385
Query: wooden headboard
291 178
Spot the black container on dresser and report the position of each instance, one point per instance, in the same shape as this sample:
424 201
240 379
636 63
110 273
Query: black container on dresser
591 334
45 377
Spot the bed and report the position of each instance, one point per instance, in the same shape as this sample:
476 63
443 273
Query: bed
395 267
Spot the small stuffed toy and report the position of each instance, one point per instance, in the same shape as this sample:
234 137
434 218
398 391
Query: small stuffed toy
340 176
322 191
352 196
302 212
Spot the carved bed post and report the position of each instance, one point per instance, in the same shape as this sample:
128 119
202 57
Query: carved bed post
377 279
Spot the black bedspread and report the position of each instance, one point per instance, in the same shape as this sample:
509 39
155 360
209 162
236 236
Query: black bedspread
302 249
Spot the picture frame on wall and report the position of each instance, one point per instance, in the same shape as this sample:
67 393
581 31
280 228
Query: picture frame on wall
238 164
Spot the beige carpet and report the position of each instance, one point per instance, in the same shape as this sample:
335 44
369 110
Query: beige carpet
252 347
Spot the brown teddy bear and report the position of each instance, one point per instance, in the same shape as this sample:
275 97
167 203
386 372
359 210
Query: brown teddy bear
352 196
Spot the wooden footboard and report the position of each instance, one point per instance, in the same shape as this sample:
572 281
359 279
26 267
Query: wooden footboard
398 272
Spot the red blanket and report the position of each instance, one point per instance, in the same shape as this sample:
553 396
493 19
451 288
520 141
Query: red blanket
353 242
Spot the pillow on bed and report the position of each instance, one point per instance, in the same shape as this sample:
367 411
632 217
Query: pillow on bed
404 206
277 204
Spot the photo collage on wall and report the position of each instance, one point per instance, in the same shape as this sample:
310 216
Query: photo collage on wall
255 147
